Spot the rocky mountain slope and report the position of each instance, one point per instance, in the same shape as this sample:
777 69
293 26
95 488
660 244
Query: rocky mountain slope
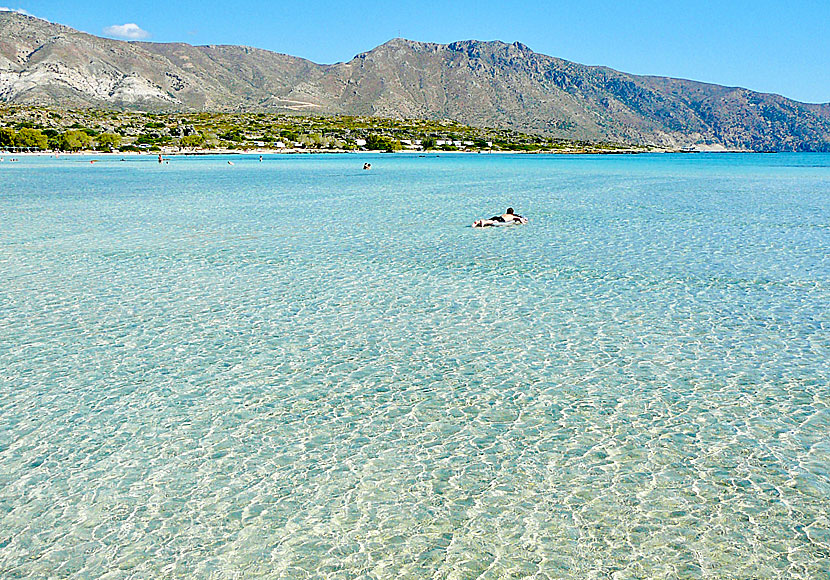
480 83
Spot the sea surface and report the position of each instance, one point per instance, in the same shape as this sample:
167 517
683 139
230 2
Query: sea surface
298 369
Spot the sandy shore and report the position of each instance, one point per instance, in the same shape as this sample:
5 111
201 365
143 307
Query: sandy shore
6 156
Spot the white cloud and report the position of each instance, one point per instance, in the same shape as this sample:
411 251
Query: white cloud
18 10
130 31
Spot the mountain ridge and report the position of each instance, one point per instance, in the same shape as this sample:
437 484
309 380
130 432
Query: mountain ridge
486 83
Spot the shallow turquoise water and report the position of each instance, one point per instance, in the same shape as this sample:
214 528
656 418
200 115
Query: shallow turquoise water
299 369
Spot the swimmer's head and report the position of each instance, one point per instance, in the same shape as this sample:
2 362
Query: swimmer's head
509 210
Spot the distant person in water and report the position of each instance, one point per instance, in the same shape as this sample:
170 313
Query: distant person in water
506 217
367 166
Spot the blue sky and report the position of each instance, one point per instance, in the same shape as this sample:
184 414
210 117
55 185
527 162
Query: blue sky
764 45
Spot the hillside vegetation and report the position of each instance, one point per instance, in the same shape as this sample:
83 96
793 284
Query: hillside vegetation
40 128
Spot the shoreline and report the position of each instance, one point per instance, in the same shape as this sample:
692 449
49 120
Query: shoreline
297 151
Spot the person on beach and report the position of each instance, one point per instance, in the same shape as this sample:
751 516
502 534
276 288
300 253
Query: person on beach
506 217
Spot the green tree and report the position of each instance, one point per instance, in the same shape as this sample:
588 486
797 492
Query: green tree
107 141
7 136
31 138
74 140
382 143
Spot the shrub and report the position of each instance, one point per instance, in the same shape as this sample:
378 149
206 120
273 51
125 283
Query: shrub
232 135
192 141
145 139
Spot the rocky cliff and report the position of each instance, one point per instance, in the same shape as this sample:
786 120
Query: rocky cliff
480 83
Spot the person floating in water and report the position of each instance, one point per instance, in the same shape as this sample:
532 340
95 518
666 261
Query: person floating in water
367 166
507 217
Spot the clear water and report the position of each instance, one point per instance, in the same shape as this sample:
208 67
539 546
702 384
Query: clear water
300 369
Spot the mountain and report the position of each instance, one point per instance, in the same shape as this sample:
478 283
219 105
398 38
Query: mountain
478 83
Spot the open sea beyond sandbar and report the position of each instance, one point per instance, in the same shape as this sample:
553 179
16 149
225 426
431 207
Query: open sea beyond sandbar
296 368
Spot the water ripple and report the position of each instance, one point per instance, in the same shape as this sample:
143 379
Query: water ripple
287 372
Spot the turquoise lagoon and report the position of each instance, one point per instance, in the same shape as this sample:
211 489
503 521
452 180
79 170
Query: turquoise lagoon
295 368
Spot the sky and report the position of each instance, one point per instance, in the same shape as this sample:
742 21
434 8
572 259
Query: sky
763 45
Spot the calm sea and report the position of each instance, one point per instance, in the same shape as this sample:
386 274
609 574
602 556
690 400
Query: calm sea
295 368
